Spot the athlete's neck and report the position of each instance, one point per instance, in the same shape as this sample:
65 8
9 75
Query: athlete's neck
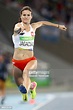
26 24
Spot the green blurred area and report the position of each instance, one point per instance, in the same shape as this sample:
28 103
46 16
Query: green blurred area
10 82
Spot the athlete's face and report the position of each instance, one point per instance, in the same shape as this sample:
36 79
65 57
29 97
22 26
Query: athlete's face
26 16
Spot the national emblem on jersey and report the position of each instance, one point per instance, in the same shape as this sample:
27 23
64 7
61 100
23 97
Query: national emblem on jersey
32 34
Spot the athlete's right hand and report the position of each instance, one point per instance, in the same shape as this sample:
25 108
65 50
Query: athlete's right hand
18 28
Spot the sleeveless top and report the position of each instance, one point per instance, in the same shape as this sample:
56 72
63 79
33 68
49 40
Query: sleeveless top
24 40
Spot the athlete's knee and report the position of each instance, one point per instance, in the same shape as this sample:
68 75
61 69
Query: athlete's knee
22 89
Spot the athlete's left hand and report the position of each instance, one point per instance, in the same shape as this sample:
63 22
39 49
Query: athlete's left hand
62 27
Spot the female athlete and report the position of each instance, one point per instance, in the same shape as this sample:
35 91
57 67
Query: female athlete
23 58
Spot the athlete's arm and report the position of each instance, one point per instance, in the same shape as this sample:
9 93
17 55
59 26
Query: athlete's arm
42 23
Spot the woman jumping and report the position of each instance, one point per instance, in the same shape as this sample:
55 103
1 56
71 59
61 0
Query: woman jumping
23 58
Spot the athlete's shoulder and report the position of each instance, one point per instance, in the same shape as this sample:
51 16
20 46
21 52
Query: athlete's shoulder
36 25
32 24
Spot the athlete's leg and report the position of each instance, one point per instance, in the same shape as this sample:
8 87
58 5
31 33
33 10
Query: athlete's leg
17 73
26 78
18 76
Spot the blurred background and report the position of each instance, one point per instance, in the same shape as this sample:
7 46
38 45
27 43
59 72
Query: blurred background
53 47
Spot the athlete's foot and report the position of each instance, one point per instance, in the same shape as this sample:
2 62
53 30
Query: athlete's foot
23 92
25 97
33 90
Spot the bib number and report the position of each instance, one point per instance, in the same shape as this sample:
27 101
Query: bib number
23 43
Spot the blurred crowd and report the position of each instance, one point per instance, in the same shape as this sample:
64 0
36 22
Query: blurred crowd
59 10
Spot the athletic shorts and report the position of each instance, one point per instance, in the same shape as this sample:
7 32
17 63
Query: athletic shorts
22 63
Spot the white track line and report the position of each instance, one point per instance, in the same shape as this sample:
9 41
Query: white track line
49 99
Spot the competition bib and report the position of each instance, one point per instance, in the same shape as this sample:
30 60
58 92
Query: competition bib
26 42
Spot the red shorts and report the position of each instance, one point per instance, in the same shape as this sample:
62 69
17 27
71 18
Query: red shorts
22 63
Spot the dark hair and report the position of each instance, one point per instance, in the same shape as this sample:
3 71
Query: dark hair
24 8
